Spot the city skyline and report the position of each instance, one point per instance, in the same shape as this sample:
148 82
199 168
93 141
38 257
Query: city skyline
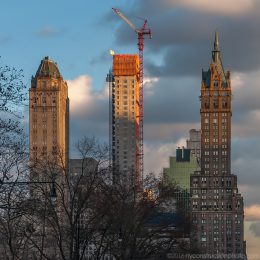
173 60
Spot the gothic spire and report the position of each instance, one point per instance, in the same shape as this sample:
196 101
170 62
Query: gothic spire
216 43
216 51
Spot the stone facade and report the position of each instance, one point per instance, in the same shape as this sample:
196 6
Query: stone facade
49 116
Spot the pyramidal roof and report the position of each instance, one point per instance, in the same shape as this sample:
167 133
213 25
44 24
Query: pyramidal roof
48 68
216 60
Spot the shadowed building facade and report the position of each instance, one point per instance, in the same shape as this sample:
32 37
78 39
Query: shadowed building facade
49 116
217 208
193 143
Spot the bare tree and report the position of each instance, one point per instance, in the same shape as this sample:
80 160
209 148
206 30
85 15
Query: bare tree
13 194
134 226
91 216
12 97
69 224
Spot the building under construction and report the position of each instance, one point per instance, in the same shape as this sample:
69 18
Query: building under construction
124 86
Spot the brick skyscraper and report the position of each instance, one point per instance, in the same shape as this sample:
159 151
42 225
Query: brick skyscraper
217 209
49 115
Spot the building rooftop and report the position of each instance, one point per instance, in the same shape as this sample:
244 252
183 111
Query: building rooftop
48 68
216 60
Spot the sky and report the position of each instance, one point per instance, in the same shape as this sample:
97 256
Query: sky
78 36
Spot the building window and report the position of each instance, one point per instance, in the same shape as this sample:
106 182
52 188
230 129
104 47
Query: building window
203 180
207 104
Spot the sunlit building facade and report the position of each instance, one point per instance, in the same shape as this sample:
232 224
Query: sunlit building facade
49 116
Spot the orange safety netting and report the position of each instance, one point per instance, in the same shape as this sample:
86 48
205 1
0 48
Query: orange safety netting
126 65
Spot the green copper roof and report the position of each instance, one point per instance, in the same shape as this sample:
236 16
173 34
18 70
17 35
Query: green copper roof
48 68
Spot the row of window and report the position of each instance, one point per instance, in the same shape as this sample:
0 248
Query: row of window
125 81
124 97
215 114
215 120
215 140
125 103
216 152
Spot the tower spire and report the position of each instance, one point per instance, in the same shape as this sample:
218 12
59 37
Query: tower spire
216 51
216 43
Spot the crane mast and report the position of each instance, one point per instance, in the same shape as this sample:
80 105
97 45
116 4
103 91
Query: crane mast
141 33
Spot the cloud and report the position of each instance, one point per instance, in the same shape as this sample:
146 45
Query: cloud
184 36
221 7
103 57
172 100
149 84
80 94
166 132
49 32
252 212
231 7
252 241
255 229
88 110
157 156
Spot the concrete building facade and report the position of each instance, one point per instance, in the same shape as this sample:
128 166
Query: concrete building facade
49 115
217 208
125 116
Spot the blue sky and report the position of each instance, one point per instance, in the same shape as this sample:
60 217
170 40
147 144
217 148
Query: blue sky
71 34
78 35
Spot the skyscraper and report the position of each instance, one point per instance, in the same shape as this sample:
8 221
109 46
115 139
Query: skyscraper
125 116
216 205
49 115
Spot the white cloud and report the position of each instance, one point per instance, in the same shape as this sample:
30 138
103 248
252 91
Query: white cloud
255 228
252 212
238 80
252 242
156 157
82 95
149 85
79 93
230 7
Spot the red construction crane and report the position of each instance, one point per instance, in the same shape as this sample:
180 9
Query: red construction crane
141 33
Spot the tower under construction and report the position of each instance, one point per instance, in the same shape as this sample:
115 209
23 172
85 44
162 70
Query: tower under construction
124 84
